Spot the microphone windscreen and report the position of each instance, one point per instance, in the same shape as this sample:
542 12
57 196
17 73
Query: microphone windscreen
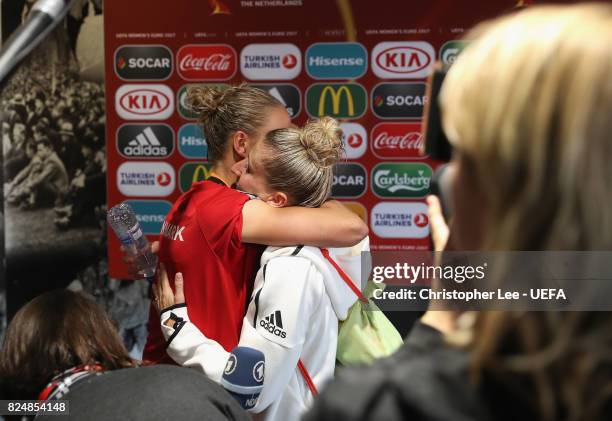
243 376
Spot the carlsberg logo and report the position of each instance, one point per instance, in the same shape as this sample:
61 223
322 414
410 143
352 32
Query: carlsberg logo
401 180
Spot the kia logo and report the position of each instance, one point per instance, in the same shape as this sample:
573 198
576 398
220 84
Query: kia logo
134 102
207 62
402 60
144 101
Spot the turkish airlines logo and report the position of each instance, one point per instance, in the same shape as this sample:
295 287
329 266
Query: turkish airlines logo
270 61
146 179
355 140
397 140
402 60
144 102
400 220
206 62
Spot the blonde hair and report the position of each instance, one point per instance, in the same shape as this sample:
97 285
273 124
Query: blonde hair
528 106
528 103
225 111
299 161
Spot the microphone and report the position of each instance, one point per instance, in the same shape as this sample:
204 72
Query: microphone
44 16
243 376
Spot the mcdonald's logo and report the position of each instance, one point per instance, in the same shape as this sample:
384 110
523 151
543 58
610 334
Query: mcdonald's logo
340 100
193 172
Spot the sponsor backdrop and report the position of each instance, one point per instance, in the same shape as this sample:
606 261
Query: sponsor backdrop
363 63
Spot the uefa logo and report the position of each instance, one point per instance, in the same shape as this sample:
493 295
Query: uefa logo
145 141
400 220
144 102
143 62
146 179
398 100
403 60
204 62
350 180
336 60
270 61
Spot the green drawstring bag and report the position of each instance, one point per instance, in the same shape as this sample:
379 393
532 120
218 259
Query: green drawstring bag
366 334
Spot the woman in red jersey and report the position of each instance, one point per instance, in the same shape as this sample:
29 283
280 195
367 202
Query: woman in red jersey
211 232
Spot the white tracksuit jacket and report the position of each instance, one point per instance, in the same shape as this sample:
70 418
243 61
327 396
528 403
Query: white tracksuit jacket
293 314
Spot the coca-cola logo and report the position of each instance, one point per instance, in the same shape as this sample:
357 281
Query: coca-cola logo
397 140
207 62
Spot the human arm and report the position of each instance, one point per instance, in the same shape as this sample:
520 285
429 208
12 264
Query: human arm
280 306
331 225
443 321
21 176
186 344
48 172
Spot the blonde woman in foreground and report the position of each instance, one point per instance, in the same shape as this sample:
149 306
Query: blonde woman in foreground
528 109
298 297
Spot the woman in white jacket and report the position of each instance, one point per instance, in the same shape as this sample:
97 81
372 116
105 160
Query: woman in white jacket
298 296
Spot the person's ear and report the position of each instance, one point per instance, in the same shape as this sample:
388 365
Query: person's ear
277 199
240 140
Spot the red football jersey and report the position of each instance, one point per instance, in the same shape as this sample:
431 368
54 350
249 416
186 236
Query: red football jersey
202 238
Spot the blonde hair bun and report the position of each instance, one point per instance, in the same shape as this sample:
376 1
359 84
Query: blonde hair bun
322 140
204 100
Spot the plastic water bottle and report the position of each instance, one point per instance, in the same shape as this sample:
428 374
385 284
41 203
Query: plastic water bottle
123 220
